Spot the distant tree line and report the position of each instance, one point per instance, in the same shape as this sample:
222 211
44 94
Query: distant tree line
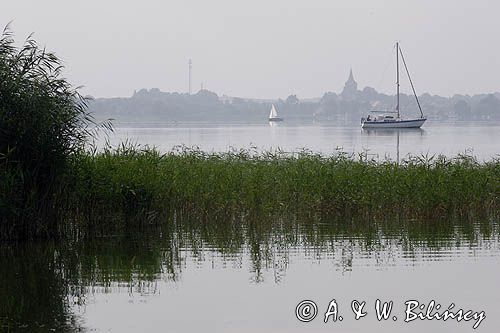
205 106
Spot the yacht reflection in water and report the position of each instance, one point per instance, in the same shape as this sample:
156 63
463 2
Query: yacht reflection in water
411 134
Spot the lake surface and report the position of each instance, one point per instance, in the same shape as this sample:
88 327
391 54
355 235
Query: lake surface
450 139
189 276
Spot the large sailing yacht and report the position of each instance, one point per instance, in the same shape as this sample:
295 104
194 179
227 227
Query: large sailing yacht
393 119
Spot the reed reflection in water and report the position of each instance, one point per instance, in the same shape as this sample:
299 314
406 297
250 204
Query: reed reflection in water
61 285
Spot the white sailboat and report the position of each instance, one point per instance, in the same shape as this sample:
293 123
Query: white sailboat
386 119
273 115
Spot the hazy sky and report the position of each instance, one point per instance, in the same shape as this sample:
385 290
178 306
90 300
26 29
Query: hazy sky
266 48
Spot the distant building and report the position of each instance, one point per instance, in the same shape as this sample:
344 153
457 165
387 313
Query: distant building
350 88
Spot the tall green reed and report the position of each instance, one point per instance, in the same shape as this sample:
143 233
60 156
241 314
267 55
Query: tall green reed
43 121
238 184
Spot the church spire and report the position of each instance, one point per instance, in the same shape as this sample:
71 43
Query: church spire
350 87
351 77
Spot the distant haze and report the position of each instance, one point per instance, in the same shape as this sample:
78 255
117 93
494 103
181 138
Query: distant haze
264 48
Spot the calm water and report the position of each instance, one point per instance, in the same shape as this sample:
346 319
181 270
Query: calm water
232 277
449 139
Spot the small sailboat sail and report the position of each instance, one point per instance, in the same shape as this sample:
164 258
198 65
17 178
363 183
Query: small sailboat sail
273 115
389 121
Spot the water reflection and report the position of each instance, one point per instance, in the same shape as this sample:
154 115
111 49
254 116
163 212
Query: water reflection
405 134
410 132
36 289
40 283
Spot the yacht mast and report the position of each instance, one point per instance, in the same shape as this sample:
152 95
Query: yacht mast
397 76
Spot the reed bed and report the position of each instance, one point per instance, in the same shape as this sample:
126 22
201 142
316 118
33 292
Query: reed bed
144 183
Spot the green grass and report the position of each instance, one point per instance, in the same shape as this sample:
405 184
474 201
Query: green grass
143 183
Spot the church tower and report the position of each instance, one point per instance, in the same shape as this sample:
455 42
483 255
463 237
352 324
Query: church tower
350 87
